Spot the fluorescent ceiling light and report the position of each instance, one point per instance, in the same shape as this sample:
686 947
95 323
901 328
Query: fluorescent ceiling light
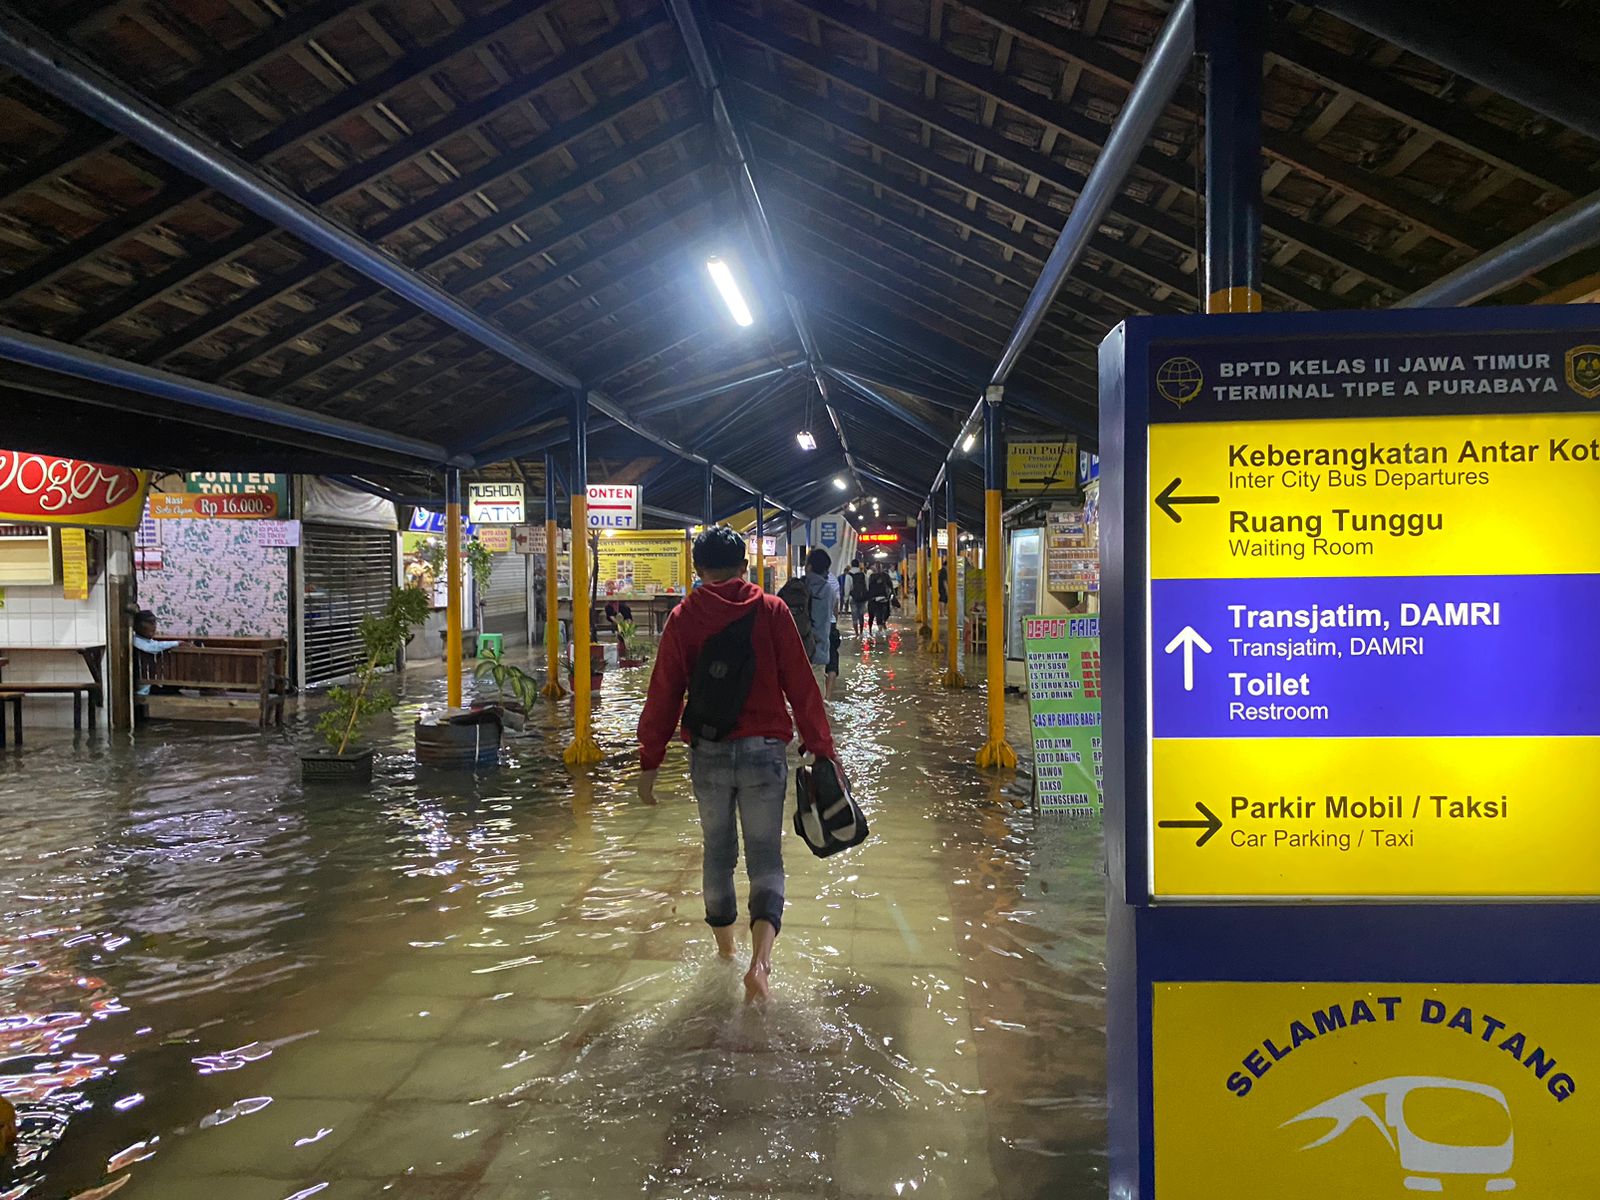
731 296
966 446
838 482
852 506
806 439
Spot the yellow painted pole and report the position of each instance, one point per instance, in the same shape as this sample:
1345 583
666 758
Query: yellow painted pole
553 688
761 563
688 561
452 559
922 589
584 751
997 752
933 598
952 674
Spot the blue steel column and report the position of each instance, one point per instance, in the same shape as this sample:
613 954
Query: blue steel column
583 751
1232 35
711 507
761 541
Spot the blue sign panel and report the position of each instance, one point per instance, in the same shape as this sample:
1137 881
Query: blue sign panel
828 534
1351 728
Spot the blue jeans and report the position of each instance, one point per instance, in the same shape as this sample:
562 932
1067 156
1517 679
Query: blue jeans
745 779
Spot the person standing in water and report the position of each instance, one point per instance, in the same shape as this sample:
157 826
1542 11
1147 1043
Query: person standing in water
737 654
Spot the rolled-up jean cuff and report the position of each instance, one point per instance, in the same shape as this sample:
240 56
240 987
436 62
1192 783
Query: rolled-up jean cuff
767 908
718 923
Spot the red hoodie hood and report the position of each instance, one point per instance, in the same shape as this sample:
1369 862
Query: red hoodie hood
713 606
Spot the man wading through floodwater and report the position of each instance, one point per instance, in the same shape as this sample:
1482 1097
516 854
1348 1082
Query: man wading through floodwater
736 652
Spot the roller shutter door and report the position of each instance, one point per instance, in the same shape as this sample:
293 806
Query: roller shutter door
349 572
507 594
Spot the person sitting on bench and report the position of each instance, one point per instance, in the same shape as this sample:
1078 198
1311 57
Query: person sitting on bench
146 642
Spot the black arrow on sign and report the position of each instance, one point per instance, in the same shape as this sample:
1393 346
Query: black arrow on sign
1211 824
1167 500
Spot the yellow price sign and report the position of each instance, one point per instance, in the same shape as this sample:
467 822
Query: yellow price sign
74 565
1364 1091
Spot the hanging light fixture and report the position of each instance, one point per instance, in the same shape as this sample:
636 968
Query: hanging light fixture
805 437
971 441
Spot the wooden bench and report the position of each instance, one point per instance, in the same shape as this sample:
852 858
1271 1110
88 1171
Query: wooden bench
80 693
255 665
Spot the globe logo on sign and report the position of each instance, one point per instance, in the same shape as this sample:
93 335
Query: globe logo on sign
1179 380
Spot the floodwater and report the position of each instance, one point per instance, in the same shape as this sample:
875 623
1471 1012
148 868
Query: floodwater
216 983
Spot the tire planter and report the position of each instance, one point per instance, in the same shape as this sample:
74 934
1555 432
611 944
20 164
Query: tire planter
474 742
324 766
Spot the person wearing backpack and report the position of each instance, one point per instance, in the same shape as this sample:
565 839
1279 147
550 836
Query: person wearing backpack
857 584
810 601
879 593
737 653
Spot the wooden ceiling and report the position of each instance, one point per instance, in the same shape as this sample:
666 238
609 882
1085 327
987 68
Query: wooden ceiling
553 167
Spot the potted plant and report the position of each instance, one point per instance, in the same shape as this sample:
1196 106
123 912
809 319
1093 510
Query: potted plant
627 638
480 561
523 688
352 705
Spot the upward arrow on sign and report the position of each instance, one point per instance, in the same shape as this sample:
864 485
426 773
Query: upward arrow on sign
1188 638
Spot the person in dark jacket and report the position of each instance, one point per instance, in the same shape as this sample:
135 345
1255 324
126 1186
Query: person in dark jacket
880 592
741 780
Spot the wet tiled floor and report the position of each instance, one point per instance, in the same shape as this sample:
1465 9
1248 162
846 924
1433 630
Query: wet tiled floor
502 985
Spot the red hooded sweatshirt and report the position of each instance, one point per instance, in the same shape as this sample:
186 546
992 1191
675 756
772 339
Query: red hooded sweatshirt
782 670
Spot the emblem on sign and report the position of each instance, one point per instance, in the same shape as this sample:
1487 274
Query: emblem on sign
1180 380
1583 370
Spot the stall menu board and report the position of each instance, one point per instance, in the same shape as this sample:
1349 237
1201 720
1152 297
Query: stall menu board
74 565
1063 655
1072 557
639 565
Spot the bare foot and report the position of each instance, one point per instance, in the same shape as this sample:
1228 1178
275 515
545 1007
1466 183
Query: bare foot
725 943
757 983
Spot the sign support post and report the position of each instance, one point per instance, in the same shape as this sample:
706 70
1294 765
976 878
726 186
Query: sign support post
553 688
452 559
952 674
583 751
1352 887
997 752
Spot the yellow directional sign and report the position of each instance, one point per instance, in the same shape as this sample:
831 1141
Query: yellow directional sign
1381 496
1338 1091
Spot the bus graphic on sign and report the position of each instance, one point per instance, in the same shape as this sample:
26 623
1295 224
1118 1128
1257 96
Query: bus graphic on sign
1423 1161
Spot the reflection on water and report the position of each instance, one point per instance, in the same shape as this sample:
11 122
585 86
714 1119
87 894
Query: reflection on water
214 982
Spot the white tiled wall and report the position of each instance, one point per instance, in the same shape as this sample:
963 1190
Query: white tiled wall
35 623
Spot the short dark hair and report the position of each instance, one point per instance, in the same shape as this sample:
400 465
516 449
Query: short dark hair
818 562
718 549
